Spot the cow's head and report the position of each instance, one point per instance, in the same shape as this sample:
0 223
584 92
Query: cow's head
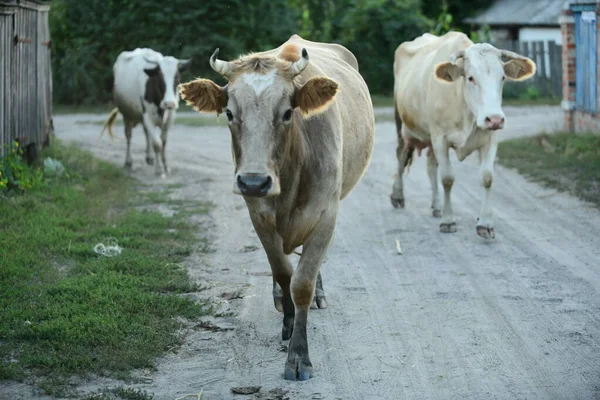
481 70
163 79
265 106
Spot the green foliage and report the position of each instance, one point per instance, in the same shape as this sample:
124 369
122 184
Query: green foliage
459 9
120 393
68 310
531 93
446 23
372 30
88 35
564 161
15 174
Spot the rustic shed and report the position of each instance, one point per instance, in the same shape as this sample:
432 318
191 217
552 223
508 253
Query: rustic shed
25 75
530 20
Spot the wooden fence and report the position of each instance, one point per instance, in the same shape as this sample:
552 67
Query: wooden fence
25 76
547 82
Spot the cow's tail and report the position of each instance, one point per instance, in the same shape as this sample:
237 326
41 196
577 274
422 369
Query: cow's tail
109 123
401 145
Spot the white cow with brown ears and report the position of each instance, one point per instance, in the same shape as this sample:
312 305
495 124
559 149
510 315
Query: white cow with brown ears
448 94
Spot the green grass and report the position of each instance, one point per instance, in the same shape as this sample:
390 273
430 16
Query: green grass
120 393
388 101
565 161
186 121
555 101
69 311
382 101
61 109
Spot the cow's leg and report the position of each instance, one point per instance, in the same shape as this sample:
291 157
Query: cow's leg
163 138
432 171
149 156
403 155
282 271
487 154
128 130
440 149
277 296
298 365
319 299
156 143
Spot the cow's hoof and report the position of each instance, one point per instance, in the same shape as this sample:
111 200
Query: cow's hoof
149 160
128 164
396 202
448 227
278 301
437 214
297 369
318 302
486 232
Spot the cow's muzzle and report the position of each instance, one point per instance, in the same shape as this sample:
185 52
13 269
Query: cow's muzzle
254 185
494 122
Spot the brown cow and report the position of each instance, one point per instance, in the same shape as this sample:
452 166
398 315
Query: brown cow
448 94
302 136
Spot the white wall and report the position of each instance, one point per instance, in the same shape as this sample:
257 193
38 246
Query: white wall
544 34
531 34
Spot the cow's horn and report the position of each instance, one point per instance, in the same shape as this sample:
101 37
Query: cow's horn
512 55
222 67
150 61
299 65
456 55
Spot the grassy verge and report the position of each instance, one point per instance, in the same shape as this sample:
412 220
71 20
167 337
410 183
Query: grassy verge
69 311
61 109
532 102
566 161
382 101
199 120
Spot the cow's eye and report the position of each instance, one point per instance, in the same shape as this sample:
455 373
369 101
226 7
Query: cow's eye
471 79
229 115
287 115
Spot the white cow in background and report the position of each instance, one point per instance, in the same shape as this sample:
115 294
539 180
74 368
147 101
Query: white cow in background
146 91
448 94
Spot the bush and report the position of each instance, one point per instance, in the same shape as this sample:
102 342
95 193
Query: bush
15 174
373 29
88 35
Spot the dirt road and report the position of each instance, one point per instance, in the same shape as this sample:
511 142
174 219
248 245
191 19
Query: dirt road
454 317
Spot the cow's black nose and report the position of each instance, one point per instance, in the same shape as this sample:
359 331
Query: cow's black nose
254 185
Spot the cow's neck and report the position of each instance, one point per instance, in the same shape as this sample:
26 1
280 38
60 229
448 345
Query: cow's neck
468 120
292 170
155 91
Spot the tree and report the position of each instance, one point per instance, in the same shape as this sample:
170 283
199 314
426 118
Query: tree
88 35
458 9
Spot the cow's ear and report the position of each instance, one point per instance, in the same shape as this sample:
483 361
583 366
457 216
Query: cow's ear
519 69
152 71
204 95
316 95
447 72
